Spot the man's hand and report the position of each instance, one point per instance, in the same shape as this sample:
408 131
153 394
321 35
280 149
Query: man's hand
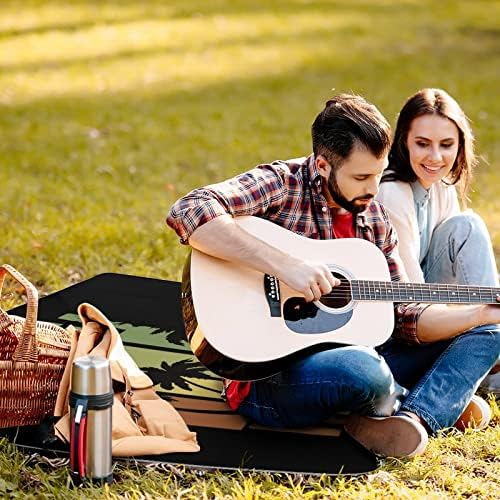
311 279
223 238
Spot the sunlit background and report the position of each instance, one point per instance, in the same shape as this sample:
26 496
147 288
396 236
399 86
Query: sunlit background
111 110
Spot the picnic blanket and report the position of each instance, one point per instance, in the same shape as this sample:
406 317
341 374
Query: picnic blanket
147 315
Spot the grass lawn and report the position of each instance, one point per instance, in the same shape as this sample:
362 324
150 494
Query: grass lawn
111 110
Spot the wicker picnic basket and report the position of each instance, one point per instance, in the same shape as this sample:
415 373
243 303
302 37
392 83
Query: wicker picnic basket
33 355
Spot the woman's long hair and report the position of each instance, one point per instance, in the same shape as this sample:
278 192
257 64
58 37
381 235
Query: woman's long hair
428 102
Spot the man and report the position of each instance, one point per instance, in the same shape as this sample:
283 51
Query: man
330 195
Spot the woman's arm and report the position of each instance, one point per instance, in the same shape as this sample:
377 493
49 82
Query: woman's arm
445 202
397 199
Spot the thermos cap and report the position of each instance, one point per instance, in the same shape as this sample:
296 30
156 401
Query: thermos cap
91 375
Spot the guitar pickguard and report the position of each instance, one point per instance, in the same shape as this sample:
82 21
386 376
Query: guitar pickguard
305 317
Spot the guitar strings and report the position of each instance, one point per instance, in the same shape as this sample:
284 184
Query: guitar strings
415 296
369 288
464 293
395 297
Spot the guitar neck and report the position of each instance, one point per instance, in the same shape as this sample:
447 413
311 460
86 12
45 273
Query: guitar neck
423 292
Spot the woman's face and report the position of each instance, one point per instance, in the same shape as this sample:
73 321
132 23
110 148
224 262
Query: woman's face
433 144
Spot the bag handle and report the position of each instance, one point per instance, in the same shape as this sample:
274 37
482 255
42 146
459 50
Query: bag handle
26 349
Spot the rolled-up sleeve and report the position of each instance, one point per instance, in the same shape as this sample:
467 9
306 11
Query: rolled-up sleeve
406 321
252 193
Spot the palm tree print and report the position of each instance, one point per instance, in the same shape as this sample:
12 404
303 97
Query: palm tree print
172 337
180 374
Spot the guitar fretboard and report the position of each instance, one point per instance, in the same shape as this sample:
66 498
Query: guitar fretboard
423 292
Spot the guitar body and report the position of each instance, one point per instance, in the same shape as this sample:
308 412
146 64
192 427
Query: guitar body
245 325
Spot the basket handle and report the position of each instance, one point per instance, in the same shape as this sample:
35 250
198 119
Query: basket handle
26 349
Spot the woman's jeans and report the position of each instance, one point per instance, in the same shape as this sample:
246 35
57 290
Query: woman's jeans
461 253
441 379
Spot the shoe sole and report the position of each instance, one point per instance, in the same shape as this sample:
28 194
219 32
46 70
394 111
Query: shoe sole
396 436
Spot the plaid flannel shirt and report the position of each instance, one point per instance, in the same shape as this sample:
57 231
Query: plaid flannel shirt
289 193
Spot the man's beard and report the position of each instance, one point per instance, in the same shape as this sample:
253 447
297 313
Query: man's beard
342 201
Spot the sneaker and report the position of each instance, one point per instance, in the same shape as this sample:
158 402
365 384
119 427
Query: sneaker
491 383
477 415
396 436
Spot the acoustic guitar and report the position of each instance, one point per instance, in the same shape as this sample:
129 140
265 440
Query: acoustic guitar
245 325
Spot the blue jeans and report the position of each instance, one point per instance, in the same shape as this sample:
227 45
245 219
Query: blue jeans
461 253
349 378
441 378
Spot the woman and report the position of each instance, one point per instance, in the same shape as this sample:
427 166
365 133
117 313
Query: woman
431 156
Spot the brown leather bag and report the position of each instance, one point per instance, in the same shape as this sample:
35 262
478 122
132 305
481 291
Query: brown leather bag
142 422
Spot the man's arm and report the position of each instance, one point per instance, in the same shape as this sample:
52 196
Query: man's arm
255 192
423 323
223 238
440 322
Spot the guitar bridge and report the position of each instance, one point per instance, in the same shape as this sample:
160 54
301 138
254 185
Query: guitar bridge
272 291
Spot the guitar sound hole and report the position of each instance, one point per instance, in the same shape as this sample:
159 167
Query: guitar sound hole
340 295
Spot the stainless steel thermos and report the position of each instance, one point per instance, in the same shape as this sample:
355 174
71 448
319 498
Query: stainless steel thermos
91 400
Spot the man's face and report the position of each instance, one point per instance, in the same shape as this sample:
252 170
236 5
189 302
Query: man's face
353 185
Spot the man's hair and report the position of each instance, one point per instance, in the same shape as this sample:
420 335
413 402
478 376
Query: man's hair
345 121
431 101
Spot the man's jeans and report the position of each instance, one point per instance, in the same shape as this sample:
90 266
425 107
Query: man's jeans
441 379
443 376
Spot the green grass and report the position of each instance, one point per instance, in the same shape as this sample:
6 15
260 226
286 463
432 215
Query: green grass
111 110
456 465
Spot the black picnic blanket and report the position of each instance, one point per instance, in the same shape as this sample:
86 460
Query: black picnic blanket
147 314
